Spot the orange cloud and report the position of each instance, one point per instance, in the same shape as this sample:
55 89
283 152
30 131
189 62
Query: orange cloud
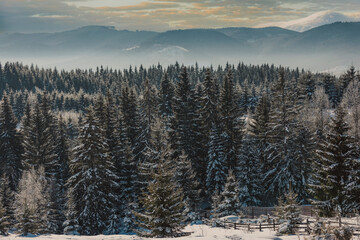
140 6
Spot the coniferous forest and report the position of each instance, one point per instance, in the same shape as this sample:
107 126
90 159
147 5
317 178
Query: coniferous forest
105 151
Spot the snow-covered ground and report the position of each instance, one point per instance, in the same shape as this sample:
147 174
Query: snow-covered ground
198 232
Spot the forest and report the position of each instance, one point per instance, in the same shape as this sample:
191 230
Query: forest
147 150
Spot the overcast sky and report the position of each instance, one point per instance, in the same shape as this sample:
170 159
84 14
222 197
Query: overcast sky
158 15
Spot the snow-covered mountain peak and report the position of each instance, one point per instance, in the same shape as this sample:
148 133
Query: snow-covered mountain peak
314 20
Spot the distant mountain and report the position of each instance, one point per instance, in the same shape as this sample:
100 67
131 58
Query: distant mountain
312 21
336 37
323 47
87 38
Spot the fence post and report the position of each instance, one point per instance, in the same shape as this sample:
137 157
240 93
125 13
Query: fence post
249 227
252 212
339 220
260 227
307 226
235 226
274 224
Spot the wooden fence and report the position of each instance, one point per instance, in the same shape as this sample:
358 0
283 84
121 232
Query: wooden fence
256 212
305 227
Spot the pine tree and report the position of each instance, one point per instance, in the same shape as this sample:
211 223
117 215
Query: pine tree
230 204
186 179
291 213
217 168
10 146
166 96
230 118
248 174
5 194
91 169
285 166
163 216
183 136
39 139
333 167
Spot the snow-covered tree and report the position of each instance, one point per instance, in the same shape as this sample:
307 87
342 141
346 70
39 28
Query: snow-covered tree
290 212
230 204
285 166
5 195
248 173
230 119
31 202
90 194
10 146
164 206
186 179
217 167
333 167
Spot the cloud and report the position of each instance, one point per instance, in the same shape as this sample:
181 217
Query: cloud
158 15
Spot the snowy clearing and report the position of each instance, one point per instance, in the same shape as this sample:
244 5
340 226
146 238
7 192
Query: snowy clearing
197 232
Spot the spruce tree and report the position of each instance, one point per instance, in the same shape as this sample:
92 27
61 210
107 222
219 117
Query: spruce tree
217 167
5 194
333 167
186 180
166 96
183 136
248 173
285 166
163 216
91 169
230 119
10 145
289 211
230 204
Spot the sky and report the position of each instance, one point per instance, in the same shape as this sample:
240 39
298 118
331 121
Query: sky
159 15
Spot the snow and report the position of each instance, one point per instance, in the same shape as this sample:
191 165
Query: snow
312 21
198 232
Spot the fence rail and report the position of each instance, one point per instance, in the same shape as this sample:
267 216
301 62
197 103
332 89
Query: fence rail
306 225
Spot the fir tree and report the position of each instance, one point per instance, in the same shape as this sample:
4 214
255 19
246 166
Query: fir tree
230 204
10 145
92 180
248 174
286 167
333 166
5 194
184 125
163 216
186 179
290 212
217 168
39 139
166 96
230 118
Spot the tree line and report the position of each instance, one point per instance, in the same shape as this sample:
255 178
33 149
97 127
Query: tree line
132 152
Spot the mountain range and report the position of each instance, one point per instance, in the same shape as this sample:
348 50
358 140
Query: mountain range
324 47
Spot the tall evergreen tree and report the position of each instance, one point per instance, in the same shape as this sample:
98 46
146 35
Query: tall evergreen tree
217 167
92 180
286 166
10 145
333 166
186 179
249 174
230 118
5 205
166 96
163 216
184 125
